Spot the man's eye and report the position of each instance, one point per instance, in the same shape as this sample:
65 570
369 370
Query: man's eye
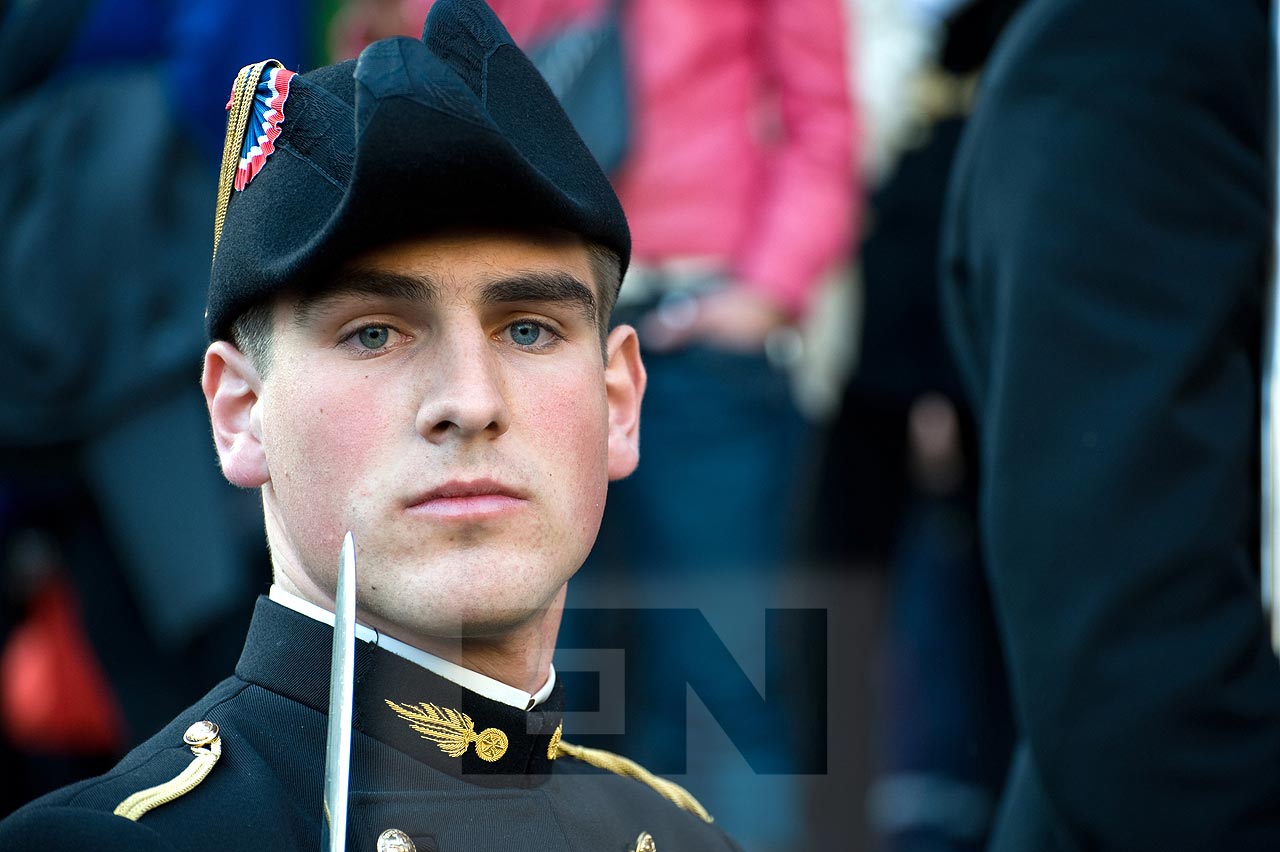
525 332
373 336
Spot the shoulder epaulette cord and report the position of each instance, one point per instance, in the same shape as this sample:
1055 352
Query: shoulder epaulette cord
620 765
206 745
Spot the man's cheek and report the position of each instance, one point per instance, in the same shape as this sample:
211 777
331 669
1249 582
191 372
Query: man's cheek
323 455
338 427
581 458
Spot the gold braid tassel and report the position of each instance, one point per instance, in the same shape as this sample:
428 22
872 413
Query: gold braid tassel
620 765
238 114
153 797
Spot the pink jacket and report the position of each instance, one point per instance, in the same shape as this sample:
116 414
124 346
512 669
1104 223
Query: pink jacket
743 132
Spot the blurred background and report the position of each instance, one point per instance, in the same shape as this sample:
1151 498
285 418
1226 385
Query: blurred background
792 576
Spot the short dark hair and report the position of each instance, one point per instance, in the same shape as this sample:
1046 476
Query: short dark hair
251 332
606 268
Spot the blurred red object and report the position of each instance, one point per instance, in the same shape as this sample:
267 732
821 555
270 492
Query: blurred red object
54 697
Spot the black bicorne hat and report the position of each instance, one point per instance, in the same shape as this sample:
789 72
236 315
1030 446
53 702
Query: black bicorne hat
456 130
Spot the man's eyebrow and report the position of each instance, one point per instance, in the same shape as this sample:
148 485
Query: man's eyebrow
366 282
542 287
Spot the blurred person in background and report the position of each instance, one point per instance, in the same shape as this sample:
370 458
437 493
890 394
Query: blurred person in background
738 182
1105 256
898 489
129 563
740 186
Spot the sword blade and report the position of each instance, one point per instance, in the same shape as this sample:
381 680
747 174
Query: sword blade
337 751
1271 375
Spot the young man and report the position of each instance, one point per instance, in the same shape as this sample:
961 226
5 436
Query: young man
413 271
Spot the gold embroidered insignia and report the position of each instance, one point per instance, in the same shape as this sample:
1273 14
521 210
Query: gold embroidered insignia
553 747
451 730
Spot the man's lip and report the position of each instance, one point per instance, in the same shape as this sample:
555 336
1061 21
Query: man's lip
463 490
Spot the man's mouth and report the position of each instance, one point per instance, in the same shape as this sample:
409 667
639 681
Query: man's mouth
474 499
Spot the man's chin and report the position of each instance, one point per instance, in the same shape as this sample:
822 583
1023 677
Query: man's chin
452 624
452 593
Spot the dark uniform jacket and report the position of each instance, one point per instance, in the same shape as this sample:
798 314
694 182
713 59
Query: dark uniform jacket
1106 253
449 769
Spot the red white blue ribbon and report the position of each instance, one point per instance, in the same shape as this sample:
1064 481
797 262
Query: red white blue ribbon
264 124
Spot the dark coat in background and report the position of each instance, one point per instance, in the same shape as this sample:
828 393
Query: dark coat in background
1105 257
264 790
106 200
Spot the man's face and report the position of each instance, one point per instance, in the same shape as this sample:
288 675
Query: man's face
446 401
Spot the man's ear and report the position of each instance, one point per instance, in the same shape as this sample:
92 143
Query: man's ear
232 388
624 381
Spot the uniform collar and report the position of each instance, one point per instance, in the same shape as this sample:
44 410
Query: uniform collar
474 681
405 706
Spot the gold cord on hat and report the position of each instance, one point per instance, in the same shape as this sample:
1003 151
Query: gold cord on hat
239 109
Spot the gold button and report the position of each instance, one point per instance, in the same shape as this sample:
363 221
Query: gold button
491 744
201 733
395 840
644 843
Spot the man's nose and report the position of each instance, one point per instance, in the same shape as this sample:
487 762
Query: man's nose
465 395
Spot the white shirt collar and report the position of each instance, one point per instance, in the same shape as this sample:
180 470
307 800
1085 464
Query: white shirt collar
464 677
